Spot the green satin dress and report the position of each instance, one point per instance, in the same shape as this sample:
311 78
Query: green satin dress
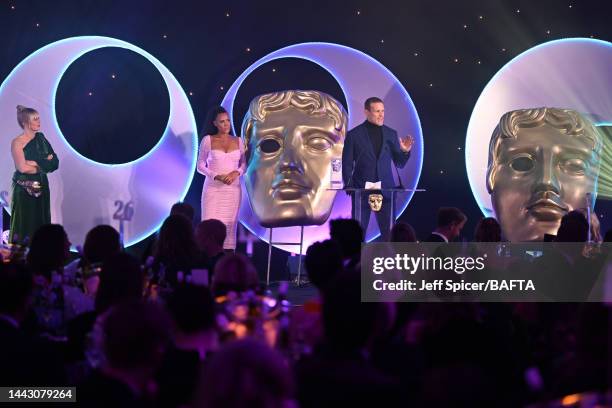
30 206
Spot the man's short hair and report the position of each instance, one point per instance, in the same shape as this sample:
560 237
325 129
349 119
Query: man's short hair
448 216
322 262
371 100
403 232
573 228
212 228
348 234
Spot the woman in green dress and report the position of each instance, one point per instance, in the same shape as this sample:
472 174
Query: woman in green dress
34 158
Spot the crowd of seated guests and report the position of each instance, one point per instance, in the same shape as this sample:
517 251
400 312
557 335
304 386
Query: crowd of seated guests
133 333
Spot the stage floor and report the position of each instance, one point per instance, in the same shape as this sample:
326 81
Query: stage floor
297 295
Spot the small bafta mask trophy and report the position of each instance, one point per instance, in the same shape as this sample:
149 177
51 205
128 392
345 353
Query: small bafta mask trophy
336 173
375 201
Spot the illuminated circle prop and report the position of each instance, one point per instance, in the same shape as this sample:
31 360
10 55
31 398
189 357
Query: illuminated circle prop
571 73
360 77
85 193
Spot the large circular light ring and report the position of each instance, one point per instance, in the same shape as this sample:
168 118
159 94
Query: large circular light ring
572 73
359 76
84 193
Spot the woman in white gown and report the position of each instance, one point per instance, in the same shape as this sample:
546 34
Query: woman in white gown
221 160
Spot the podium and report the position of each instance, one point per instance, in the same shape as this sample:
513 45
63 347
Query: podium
359 194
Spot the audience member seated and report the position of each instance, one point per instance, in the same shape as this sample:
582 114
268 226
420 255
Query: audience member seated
176 250
192 309
245 374
487 230
323 262
487 236
340 372
101 243
349 236
565 263
403 232
134 338
121 280
472 360
210 235
24 359
573 228
184 209
234 273
49 252
450 223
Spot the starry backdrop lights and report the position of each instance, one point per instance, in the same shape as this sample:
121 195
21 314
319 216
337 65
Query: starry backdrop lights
443 52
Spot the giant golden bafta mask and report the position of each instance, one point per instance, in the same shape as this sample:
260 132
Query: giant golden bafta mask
543 163
292 139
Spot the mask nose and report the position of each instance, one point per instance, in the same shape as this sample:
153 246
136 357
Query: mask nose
290 158
547 175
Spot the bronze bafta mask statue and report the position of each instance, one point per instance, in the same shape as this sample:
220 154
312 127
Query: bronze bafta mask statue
293 138
543 163
375 201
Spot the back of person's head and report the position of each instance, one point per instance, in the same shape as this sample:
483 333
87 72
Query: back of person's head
487 230
101 242
403 232
192 309
135 335
235 273
210 233
49 250
608 236
15 289
322 262
348 234
176 243
573 228
246 374
350 324
121 279
184 209
449 216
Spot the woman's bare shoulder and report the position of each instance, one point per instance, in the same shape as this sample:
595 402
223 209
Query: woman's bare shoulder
20 140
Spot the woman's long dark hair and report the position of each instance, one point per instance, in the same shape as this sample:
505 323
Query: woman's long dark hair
48 250
209 127
176 248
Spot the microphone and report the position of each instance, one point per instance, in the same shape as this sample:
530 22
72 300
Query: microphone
399 179
589 201
350 180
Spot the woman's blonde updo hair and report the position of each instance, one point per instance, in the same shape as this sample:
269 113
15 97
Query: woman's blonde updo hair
23 115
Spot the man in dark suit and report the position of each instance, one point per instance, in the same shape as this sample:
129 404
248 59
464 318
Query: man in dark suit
370 151
450 223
